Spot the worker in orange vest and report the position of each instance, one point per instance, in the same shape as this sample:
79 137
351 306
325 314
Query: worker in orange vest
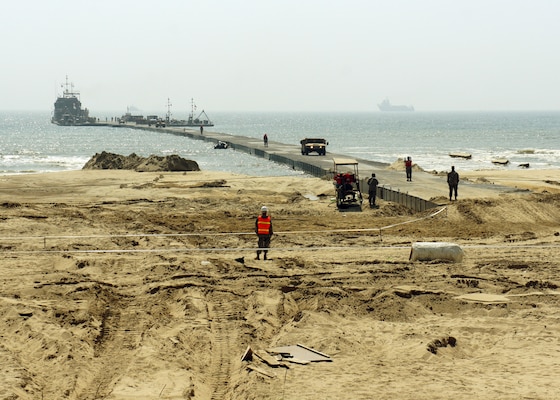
263 229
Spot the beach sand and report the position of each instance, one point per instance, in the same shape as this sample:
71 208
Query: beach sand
127 285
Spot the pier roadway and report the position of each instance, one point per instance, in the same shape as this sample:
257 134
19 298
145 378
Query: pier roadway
426 190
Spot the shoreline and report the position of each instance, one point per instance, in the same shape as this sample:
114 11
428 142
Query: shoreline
535 180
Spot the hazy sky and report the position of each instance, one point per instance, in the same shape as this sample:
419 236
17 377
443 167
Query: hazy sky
287 55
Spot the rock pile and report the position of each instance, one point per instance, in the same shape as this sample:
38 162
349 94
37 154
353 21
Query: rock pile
134 162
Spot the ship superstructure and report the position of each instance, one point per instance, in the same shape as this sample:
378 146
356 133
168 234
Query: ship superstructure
68 108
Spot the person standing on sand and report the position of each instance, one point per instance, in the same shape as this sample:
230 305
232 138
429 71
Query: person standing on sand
372 190
265 140
408 168
201 130
263 229
453 182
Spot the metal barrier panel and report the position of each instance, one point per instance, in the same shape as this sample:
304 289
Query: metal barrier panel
412 202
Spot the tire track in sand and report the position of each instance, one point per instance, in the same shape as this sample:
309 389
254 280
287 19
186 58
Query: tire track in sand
120 335
222 316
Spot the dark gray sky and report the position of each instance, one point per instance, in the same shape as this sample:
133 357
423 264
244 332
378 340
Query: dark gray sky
288 55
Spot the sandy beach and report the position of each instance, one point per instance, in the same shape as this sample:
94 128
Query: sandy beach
126 285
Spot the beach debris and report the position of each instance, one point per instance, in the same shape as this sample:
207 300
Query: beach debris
523 165
311 197
299 354
261 371
248 355
466 156
407 291
443 342
278 356
429 251
268 359
240 260
211 184
26 314
501 161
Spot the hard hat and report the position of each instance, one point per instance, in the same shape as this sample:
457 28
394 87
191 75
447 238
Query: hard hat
264 209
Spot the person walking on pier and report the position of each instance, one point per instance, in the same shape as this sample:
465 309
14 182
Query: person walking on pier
372 190
408 168
265 140
453 182
263 229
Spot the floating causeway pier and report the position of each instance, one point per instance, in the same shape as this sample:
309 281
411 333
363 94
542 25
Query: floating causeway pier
427 190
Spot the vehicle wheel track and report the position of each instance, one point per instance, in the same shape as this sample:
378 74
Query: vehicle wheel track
222 316
113 350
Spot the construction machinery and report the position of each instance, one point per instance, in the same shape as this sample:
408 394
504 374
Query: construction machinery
347 183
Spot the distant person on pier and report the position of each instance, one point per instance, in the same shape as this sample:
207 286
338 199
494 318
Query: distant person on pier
372 190
265 140
201 130
408 168
263 229
453 182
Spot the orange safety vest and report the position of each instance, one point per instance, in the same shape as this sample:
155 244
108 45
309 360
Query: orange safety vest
263 225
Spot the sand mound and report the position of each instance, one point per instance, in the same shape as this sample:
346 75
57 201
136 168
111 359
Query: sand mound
398 165
134 162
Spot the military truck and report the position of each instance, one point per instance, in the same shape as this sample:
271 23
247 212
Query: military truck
310 145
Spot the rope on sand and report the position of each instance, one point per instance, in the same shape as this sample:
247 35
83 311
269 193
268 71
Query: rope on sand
205 234
216 233
230 249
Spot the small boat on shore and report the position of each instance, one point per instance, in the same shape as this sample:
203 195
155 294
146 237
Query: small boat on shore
466 156
221 145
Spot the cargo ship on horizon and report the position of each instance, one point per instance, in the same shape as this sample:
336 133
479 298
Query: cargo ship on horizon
386 105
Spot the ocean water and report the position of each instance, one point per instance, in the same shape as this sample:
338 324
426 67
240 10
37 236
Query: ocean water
29 143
